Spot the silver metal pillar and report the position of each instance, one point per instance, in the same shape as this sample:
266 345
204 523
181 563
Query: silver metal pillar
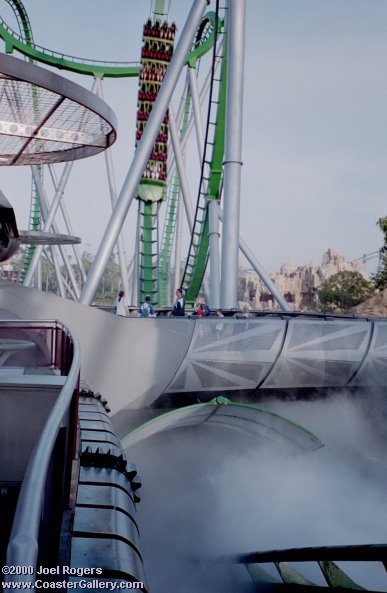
193 85
178 242
130 275
135 295
183 101
233 152
142 152
181 169
56 266
263 276
213 214
38 275
50 216
113 198
45 209
68 224
120 241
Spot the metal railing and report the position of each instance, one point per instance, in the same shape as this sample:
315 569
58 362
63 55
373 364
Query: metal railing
52 338
23 547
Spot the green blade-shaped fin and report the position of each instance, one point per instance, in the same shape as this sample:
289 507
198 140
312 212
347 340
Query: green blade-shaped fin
290 575
336 577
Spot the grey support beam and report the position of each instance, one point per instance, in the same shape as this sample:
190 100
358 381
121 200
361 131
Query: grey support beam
233 152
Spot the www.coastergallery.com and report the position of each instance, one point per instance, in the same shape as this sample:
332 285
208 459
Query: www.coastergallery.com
81 584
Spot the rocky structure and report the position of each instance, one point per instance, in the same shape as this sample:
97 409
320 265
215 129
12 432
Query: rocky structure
376 306
298 284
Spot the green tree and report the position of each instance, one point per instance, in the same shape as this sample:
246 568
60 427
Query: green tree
109 285
343 291
110 281
380 277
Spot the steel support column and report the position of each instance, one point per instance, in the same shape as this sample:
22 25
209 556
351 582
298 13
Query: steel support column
68 224
113 198
178 242
45 209
56 266
233 152
181 168
213 213
135 283
193 85
50 215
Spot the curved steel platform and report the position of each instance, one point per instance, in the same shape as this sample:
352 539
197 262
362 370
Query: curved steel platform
44 238
135 361
45 118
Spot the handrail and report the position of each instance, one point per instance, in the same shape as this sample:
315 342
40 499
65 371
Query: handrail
23 545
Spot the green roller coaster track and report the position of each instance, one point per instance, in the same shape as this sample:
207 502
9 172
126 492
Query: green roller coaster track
170 221
95 68
206 39
211 176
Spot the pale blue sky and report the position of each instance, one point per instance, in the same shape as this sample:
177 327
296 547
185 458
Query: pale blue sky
315 115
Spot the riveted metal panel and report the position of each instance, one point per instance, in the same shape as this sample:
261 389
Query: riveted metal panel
101 436
96 424
108 522
103 495
98 416
229 354
374 369
103 475
112 555
320 353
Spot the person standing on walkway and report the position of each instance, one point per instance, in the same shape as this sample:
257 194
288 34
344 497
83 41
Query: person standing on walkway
121 304
179 306
146 309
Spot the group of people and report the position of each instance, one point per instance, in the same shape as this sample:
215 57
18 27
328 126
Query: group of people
147 309
123 309
160 30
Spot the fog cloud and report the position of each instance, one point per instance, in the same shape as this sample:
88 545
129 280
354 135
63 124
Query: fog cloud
209 494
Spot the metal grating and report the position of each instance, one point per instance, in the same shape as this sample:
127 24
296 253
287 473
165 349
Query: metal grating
45 118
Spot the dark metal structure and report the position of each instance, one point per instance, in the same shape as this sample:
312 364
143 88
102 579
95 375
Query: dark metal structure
9 234
288 578
68 496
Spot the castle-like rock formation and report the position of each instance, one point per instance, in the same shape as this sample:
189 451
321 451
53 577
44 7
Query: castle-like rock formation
298 284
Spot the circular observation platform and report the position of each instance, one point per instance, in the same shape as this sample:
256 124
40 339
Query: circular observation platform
45 118
44 238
